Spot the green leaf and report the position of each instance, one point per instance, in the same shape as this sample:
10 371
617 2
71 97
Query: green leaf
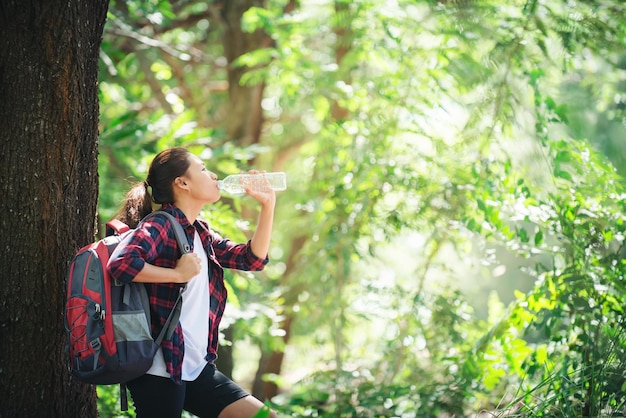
522 235
563 174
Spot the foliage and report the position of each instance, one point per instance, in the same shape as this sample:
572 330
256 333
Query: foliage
413 373
425 143
109 402
569 325
574 315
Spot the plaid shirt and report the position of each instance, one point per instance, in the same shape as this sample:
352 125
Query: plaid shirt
154 242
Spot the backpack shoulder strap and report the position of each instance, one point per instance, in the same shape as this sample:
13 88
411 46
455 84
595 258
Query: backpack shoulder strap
179 232
183 245
116 227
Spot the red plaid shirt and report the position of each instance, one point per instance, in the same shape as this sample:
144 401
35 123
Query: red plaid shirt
154 242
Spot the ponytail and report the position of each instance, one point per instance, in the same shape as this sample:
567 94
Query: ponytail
137 204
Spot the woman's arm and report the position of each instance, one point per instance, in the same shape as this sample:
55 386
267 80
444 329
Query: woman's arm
260 242
187 267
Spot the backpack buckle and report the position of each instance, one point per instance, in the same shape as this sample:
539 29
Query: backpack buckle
96 344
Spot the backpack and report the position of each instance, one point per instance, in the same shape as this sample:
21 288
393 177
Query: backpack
108 323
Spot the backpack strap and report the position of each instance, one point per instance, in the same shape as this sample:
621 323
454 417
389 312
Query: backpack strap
123 397
115 227
179 232
185 248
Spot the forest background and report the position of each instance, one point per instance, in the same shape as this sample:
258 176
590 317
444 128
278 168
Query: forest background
451 240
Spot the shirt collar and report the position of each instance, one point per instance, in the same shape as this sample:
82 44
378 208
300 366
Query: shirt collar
178 214
180 217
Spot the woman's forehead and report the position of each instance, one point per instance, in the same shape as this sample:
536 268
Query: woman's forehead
194 159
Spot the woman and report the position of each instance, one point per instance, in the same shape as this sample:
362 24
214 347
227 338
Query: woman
183 375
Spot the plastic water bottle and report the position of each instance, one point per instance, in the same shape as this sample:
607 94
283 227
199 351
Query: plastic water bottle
237 183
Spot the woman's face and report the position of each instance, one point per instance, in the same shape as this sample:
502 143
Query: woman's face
201 183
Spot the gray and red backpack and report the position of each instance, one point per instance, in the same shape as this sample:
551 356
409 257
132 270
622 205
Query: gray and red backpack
107 322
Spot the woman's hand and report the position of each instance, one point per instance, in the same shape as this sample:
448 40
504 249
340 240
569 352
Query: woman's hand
187 267
264 194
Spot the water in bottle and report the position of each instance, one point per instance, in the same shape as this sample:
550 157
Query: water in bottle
237 183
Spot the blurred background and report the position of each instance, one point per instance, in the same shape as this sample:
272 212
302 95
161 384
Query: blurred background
450 240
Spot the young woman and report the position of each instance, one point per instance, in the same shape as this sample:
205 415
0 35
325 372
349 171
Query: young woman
183 375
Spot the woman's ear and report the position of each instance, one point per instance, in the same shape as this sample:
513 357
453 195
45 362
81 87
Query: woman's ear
180 182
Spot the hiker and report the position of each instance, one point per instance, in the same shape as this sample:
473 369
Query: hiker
183 375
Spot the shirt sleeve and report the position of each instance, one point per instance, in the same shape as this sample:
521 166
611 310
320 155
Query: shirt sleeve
139 247
236 256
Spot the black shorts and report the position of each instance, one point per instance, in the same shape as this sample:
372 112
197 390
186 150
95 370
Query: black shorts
205 397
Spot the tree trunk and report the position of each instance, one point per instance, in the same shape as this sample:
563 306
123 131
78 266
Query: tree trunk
225 361
245 114
49 52
271 362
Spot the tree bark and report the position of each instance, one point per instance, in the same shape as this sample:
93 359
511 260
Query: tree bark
245 115
271 362
49 51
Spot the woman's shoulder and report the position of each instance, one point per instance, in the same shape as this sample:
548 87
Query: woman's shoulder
163 218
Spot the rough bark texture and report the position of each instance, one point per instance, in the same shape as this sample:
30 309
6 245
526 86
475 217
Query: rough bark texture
49 52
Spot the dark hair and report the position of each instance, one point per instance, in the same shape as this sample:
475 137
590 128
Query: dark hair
164 169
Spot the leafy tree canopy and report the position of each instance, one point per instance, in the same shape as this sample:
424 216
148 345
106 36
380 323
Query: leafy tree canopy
429 145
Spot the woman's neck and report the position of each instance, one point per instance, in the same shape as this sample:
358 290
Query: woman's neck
190 209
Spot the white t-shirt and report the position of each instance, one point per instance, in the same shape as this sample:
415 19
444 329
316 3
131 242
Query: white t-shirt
194 319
